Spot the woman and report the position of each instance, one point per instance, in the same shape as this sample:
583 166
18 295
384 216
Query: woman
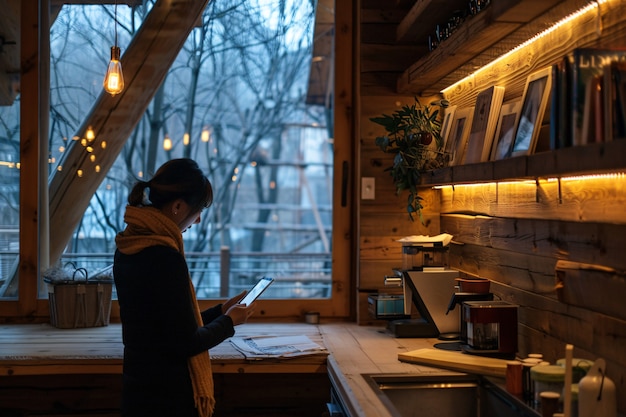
167 371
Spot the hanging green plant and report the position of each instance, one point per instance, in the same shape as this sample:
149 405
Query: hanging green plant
411 131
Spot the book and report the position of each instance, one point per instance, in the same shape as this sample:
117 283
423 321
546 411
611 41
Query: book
484 123
614 79
560 117
620 101
585 64
593 119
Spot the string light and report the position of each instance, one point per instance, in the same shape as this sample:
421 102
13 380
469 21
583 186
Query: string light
167 143
206 134
593 6
90 134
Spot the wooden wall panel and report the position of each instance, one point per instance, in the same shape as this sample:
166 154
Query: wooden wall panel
514 234
593 243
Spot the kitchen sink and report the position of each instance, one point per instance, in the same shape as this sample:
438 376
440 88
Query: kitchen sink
445 395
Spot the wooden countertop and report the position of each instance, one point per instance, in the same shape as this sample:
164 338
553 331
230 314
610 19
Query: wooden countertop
40 349
357 350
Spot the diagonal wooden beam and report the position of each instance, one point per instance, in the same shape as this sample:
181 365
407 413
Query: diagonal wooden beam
146 62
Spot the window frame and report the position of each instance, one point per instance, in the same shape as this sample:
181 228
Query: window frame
34 243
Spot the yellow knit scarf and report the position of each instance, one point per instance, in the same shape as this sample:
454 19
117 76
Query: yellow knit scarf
147 227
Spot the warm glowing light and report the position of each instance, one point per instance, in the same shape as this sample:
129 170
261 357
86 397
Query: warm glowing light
75 138
590 177
60 168
236 170
206 134
52 160
167 143
92 158
97 168
79 173
89 149
140 174
272 185
233 178
186 139
83 142
90 134
114 78
103 144
591 7
253 163
61 149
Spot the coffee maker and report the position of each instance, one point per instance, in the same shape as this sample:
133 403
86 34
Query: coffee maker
427 283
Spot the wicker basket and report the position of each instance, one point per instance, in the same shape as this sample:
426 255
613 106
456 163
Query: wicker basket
79 301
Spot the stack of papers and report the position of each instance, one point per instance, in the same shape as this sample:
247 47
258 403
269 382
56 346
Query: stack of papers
444 239
276 347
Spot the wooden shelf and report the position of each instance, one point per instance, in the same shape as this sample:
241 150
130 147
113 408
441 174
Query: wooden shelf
480 39
412 27
595 158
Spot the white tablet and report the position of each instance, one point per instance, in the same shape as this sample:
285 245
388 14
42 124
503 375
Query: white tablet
257 290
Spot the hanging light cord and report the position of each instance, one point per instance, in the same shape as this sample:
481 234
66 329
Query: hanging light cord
115 14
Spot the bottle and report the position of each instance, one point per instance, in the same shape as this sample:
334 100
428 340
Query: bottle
596 393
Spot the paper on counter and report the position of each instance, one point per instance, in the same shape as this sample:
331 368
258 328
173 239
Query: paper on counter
444 238
271 347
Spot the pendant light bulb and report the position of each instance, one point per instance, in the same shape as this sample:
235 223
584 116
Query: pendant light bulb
114 79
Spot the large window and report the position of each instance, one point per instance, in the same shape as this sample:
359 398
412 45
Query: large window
243 99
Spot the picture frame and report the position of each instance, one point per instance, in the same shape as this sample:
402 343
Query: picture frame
534 104
459 132
446 125
484 124
503 139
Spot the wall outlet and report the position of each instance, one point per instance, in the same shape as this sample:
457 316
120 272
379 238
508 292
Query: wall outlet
368 188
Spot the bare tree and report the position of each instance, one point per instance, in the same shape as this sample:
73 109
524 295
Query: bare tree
242 76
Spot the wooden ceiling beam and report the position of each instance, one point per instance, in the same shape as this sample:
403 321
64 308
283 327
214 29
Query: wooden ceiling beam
146 62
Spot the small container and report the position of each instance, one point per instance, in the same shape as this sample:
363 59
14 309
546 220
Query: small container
549 403
474 285
596 393
547 378
532 361
312 317
514 377
580 367
528 388
386 306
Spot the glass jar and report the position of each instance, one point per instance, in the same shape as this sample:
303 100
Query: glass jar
547 378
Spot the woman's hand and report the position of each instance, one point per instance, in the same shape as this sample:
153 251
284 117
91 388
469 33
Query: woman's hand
239 313
231 302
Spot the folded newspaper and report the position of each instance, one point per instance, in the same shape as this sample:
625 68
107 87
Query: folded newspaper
276 347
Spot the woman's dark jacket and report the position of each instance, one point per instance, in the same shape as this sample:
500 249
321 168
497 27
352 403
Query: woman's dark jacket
160 332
